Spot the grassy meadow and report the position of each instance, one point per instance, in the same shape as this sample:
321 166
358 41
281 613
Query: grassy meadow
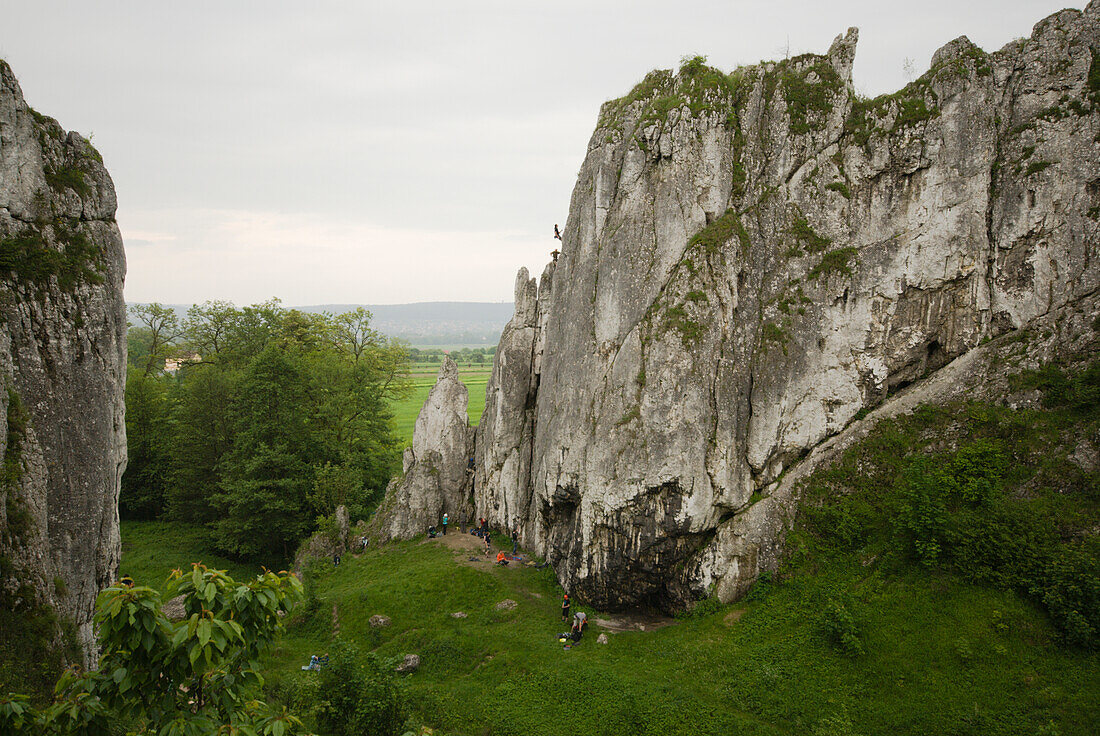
939 656
941 578
423 378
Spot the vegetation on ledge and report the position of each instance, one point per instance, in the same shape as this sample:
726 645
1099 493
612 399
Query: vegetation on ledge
696 86
835 261
29 258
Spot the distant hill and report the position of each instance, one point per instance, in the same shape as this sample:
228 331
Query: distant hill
434 323
426 323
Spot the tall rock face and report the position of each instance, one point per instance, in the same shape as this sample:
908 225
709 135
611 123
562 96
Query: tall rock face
435 480
755 260
504 438
63 370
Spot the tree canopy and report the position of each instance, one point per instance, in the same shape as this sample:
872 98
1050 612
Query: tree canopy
260 409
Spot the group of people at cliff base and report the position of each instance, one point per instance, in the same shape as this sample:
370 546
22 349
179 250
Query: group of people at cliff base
580 618
482 530
580 623
433 532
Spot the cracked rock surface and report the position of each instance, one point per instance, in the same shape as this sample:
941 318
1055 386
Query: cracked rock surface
755 260
62 363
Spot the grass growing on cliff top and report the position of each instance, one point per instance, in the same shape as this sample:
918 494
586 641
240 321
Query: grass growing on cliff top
695 85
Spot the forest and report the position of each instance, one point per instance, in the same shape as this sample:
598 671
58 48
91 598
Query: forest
258 421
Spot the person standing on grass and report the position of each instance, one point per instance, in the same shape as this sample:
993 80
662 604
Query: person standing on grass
580 621
565 607
445 520
488 544
515 541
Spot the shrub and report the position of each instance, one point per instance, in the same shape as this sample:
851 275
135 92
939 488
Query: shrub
840 626
194 676
718 233
806 236
704 606
358 695
833 262
984 511
1079 392
761 587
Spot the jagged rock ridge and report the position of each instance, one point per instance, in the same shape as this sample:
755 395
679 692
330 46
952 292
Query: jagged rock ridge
434 479
751 262
62 367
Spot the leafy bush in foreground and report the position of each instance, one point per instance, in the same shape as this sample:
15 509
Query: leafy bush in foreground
195 676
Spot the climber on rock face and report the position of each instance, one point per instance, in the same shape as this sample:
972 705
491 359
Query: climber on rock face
557 233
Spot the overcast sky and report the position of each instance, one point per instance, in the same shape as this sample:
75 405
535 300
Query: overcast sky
370 152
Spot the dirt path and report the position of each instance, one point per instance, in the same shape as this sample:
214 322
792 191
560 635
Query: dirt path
467 546
633 621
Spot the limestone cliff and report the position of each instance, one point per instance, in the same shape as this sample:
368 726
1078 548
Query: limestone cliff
62 368
753 261
434 481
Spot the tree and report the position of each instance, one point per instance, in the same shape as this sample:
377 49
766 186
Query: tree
262 504
195 676
352 334
208 326
277 395
144 484
336 485
201 435
164 330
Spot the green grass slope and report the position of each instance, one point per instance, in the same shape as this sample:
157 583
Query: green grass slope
937 655
942 578
152 549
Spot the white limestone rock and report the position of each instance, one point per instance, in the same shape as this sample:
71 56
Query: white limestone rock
63 360
435 480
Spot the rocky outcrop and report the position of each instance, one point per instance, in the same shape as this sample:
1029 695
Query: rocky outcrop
504 439
333 538
62 366
435 479
753 261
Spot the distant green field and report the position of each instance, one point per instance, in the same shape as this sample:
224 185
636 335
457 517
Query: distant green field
406 411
